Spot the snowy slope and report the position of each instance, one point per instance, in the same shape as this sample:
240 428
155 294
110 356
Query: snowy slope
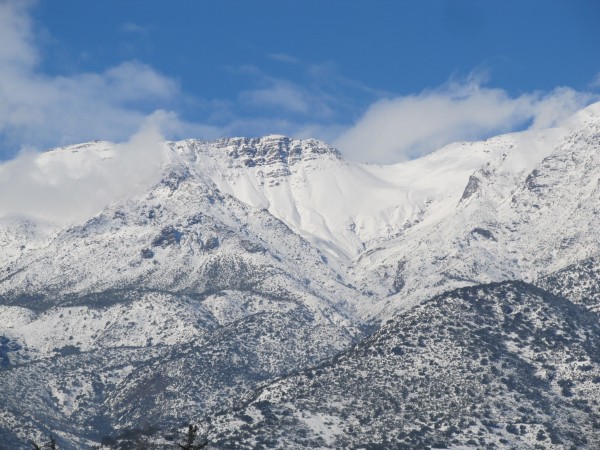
340 206
579 282
459 216
368 219
182 238
180 280
493 366
516 219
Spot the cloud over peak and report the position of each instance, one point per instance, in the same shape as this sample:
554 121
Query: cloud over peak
405 127
68 187
41 111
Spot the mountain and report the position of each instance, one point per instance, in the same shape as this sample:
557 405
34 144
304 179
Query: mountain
493 366
218 272
579 282
182 273
525 214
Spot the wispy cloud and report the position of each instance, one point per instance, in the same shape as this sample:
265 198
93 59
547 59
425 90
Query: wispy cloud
283 95
319 99
284 58
596 81
279 94
134 28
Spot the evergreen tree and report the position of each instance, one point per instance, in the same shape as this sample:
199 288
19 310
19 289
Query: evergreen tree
51 444
190 440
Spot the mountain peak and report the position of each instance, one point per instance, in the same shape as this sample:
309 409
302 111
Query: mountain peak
261 151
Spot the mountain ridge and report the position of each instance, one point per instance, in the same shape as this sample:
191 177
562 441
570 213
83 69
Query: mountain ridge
251 261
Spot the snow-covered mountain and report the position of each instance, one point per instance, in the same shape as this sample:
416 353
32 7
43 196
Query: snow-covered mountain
493 366
527 212
225 265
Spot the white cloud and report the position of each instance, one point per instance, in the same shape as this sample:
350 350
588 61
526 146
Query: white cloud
16 47
42 111
38 111
395 129
284 96
551 109
68 186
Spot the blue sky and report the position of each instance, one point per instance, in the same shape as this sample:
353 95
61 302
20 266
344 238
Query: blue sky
383 80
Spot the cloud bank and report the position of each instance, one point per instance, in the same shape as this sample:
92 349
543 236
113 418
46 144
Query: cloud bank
401 128
72 185
37 111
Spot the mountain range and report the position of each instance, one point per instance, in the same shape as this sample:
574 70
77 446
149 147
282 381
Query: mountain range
282 297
